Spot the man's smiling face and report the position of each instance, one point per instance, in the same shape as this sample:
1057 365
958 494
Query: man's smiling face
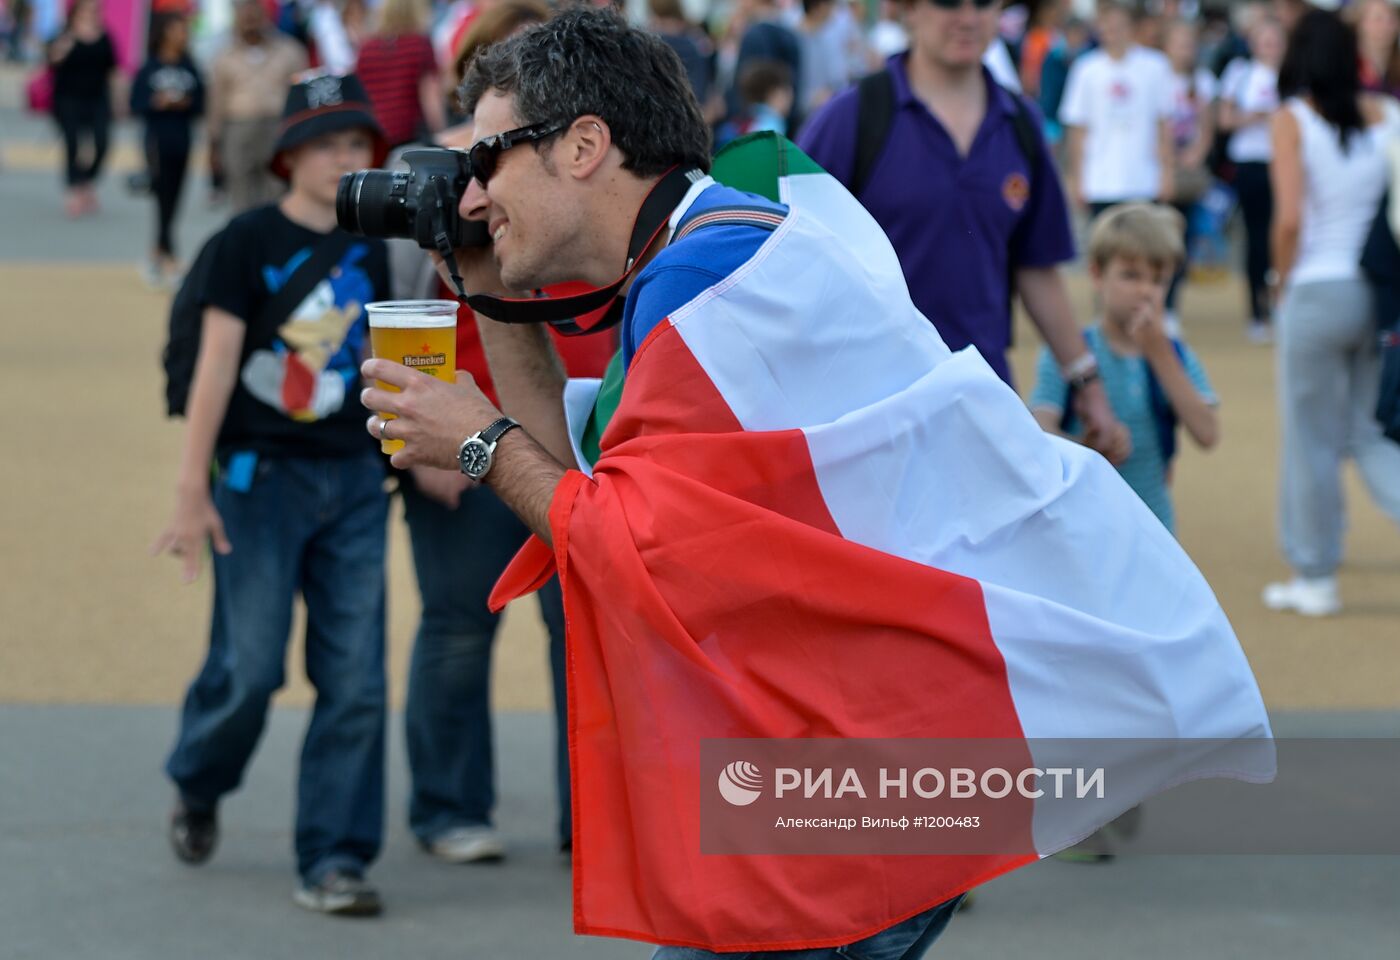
532 212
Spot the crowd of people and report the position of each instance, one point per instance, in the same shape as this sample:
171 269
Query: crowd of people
971 134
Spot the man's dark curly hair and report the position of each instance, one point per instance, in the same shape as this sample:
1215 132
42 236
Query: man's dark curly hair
591 61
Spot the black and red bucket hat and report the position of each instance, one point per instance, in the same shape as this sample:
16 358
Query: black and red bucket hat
325 103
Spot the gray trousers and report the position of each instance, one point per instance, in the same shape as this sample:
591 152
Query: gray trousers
246 147
1328 379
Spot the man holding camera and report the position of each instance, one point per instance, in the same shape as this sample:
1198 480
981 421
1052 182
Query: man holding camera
570 148
788 513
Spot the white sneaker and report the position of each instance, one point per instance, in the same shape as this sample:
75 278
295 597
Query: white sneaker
152 275
468 845
1312 597
1260 333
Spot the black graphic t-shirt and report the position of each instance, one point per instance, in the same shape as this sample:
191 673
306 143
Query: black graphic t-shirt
298 391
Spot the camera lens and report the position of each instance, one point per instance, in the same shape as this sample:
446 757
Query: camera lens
372 203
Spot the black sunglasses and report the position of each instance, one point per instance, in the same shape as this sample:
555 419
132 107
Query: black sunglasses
955 4
486 152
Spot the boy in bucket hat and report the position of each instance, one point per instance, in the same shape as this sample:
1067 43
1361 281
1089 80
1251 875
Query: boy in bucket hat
296 504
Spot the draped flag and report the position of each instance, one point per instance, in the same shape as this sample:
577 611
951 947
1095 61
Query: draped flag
809 519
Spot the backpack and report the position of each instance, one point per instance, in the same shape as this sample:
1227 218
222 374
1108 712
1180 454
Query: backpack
1163 416
186 321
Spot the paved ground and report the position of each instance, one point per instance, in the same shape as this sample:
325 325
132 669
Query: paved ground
97 641
85 874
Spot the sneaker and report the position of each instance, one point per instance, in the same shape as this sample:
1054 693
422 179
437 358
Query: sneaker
340 892
1261 333
467 845
193 833
1312 597
152 275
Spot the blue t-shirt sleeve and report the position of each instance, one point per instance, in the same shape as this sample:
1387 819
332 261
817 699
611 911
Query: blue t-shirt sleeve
1043 236
829 136
1050 388
1197 374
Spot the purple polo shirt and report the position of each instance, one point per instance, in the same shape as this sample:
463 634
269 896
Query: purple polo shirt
957 223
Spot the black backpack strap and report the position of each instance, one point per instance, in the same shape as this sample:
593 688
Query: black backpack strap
874 118
1023 125
1163 415
315 268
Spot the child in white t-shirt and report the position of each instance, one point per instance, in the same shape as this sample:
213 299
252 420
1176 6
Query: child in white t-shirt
1117 111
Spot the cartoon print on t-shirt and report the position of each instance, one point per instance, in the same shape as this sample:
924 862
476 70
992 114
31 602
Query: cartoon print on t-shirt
309 367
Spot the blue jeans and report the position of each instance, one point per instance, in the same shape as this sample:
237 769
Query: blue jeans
316 526
458 555
907 940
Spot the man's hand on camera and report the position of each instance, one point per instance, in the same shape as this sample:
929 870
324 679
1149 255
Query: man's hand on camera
479 270
433 416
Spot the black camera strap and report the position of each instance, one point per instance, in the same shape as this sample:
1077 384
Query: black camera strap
562 312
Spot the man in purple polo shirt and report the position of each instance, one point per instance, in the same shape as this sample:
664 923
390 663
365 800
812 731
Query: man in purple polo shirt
969 209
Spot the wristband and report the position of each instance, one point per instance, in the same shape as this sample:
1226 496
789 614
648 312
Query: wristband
1080 366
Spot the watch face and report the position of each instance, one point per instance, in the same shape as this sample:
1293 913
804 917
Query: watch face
475 458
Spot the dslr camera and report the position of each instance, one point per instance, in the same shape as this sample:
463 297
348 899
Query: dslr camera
418 204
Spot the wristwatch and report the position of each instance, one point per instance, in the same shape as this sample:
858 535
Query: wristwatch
478 451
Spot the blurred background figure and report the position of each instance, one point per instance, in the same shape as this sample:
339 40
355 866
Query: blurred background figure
887 35
1378 30
248 85
485 26
1248 98
1330 171
765 97
84 63
765 36
15 21
697 53
824 64
1042 34
462 537
1116 112
400 74
1192 119
328 26
1073 41
168 95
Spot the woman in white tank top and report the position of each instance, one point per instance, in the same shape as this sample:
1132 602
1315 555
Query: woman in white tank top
1330 171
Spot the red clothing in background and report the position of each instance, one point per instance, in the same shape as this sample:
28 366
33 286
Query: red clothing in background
391 69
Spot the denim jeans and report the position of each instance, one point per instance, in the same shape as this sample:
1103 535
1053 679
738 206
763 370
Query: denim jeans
316 526
458 555
907 940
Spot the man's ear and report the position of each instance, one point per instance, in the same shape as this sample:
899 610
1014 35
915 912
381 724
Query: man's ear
586 144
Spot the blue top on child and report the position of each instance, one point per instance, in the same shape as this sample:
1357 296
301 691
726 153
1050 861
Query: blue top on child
1127 382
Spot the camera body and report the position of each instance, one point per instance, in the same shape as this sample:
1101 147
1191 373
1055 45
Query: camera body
418 204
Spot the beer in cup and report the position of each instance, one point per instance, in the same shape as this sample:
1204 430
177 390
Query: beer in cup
421 335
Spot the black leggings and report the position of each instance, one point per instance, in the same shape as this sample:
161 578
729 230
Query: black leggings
1257 206
83 120
168 159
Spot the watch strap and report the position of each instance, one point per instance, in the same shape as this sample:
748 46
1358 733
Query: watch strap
496 430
